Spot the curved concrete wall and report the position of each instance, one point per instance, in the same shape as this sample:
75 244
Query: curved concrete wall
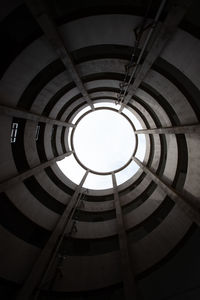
37 82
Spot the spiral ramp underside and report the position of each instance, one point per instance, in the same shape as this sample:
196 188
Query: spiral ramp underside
36 81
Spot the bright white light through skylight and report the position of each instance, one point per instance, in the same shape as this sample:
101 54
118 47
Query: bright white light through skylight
104 141
107 104
72 169
126 173
98 182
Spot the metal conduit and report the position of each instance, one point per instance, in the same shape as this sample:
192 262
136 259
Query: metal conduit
144 46
55 253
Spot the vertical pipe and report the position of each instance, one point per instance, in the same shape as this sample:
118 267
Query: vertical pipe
41 266
127 272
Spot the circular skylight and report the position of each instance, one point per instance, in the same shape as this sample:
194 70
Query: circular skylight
104 141
74 169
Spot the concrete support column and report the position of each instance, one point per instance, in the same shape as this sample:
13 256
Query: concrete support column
189 204
19 178
23 114
168 28
40 14
183 129
42 263
127 272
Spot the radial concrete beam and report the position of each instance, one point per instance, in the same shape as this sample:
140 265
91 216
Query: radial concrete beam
40 13
19 178
171 130
18 113
41 264
167 30
126 265
190 205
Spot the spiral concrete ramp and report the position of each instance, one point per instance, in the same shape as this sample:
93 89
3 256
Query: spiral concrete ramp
135 240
